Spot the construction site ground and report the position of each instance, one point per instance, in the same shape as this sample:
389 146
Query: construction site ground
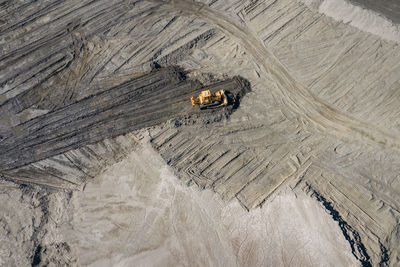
313 119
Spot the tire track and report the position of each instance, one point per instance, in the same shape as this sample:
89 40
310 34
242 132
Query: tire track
297 96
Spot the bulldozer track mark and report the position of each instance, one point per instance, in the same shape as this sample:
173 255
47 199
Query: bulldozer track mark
300 99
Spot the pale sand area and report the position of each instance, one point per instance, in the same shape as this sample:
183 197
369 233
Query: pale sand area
362 18
138 213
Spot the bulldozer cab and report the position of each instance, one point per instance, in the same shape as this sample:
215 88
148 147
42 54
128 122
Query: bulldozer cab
206 93
205 97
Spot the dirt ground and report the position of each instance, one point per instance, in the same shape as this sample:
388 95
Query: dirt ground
182 226
144 101
99 143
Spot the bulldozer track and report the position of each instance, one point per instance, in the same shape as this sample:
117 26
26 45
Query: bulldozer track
298 98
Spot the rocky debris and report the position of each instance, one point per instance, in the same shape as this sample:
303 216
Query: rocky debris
30 221
350 234
56 254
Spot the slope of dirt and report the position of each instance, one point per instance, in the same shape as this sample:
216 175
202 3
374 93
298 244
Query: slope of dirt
380 18
388 8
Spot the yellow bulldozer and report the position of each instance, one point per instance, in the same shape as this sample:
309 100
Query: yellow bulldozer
206 99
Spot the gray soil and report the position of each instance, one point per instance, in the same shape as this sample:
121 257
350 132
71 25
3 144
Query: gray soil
387 8
89 88
141 102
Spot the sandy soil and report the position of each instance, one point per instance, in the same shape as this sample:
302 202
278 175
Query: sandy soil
319 130
377 17
138 213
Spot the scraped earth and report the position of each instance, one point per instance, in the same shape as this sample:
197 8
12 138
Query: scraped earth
182 226
93 91
141 102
